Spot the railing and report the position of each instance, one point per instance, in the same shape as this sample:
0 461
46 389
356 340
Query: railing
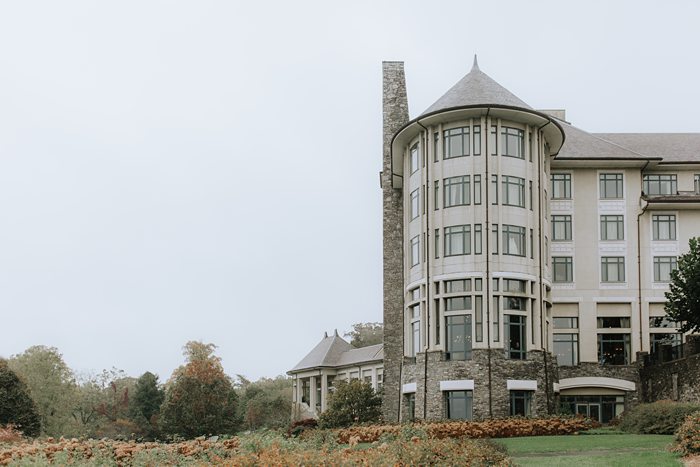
669 353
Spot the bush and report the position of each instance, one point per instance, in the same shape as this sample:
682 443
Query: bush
661 418
351 403
688 436
16 405
8 434
300 426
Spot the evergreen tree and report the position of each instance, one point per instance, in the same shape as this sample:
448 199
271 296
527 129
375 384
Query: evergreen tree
683 300
16 406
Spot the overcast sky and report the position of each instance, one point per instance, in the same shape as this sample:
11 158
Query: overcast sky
208 170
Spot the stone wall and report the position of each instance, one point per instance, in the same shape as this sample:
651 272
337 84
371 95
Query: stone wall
395 115
491 397
626 372
678 380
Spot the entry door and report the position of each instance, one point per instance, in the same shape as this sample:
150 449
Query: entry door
594 412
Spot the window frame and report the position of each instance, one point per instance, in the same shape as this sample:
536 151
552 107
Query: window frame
452 350
606 262
526 397
509 182
611 177
566 181
611 339
517 323
414 202
619 222
464 231
513 139
565 220
414 159
468 398
456 133
415 251
657 181
458 187
657 222
658 262
508 232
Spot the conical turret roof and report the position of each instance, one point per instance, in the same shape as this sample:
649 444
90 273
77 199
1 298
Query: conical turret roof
476 88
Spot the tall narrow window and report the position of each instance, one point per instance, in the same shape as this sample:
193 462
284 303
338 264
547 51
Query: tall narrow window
513 191
612 269
566 349
521 403
697 184
437 195
459 337
456 142
477 189
493 140
532 206
477 140
561 186
415 159
494 189
611 186
561 228
459 405
458 240
436 142
415 251
414 322
415 203
496 319
477 239
494 239
660 184
612 227
513 140
614 349
479 318
663 226
437 243
532 244
515 337
457 191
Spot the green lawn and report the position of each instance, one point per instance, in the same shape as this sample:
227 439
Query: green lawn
601 448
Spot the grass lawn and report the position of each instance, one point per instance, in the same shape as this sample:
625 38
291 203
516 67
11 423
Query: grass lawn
601 448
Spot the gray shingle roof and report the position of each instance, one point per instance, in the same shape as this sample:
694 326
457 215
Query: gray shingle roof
672 147
476 88
580 144
334 351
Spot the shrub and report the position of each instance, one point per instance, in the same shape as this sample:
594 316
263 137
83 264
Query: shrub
351 403
300 426
16 405
661 418
688 435
8 434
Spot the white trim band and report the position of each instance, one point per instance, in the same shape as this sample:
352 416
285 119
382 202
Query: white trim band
596 382
457 385
408 388
522 385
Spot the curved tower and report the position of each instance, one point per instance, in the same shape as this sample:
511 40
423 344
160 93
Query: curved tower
466 277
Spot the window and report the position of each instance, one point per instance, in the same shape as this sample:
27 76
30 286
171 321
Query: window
513 191
663 265
415 158
612 269
561 186
663 322
660 184
663 226
477 239
477 140
493 141
515 303
562 269
477 189
436 142
697 184
515 337
513 240
437 243
612 228
415 203
611 186
414 323
614 349
367 376
521 403
566 349
458 329
306 390
494 239
458 240
411 406
415 250
459 405
456 142
437 194
668 344
460 285
457 191
494 189
414 294
514 285
479 318
565 323
561 228
613 322
512 139
458 303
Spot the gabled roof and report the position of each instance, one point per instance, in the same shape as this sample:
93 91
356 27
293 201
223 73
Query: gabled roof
672 147
476 88
325 354
580 144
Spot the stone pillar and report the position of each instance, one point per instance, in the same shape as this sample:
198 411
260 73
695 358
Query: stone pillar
395 115
324 392
312 393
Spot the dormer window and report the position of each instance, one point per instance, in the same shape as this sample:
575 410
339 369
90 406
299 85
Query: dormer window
660 184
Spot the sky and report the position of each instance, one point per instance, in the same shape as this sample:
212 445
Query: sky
208 170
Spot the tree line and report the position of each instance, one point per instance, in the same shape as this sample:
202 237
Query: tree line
41 395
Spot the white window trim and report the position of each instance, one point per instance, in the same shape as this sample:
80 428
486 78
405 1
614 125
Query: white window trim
457 385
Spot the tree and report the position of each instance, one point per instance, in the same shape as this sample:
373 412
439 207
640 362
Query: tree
146 402
365 334
266 403
351 403
16 405
51 385
683 300
199 398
